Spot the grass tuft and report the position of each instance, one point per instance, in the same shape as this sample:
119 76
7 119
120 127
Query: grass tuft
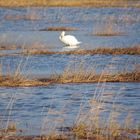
61 28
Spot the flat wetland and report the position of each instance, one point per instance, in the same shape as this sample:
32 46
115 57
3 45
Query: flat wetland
49 91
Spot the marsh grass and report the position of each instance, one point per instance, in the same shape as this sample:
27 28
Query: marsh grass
10 47
89 124
93 3
17 78
92 125
79 74
135 50
59 28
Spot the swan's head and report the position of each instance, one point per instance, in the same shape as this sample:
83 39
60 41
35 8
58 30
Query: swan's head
63 33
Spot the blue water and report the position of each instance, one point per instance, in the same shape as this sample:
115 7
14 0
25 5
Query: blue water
34 106
46 65
22 26
44 108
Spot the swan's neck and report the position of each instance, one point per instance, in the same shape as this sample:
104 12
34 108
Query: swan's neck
62 34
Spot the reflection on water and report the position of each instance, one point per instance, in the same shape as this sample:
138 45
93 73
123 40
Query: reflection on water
70 48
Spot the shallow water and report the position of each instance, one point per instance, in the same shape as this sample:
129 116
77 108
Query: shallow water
22 26
42 108
31 106
46 65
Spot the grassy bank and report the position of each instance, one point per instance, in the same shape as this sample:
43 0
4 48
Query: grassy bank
94 3
67 77
135 50
114 51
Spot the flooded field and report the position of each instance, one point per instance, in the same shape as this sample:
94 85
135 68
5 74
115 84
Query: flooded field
69 102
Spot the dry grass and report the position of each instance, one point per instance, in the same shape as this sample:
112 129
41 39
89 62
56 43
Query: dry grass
89 124
16 78
13 47
50 137
94 3
135 50
61 28
13 82
71 74
70 77
91 78
82 131
92 125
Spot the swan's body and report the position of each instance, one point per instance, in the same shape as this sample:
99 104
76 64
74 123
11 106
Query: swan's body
69 39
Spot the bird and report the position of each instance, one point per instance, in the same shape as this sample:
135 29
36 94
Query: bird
69 40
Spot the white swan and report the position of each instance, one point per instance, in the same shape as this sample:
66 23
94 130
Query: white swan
69 39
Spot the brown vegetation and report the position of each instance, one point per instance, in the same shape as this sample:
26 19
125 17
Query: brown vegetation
17 79
83 132
61 28
51 137
78 74
67 77
115 51
12 82
13 47
95 3
91 78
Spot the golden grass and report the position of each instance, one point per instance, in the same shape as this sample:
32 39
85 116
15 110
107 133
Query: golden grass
77 77
95 3
91 78
17 79
135 50
115 133
80 73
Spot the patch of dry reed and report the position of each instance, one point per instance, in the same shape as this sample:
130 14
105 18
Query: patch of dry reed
93 3
135 50
61 28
